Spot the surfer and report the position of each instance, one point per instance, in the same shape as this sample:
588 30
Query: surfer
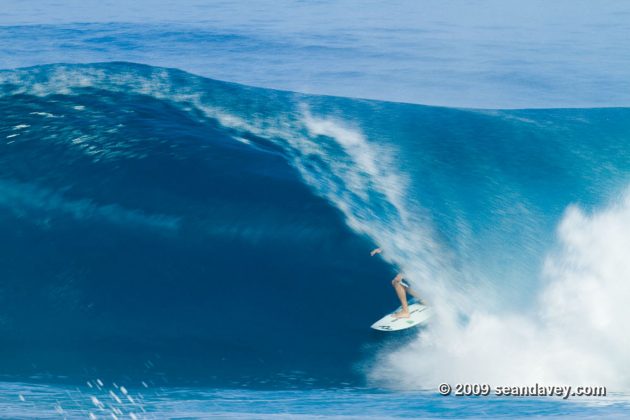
402 288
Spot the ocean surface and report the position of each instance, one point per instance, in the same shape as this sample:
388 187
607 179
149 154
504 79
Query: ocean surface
474 53
165 228
97 399
177 245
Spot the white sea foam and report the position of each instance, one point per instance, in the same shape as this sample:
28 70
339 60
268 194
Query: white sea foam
577 336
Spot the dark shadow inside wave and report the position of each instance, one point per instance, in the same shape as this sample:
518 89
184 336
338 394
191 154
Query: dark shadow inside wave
141 240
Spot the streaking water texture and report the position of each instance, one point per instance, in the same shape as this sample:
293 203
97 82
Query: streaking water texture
159 226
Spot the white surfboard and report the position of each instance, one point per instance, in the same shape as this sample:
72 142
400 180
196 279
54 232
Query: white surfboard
418 314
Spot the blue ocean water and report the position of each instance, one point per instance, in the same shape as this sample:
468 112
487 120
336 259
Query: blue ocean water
97 399
167 228
205 244
483 54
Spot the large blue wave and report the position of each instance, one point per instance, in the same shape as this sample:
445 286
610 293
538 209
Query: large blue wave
159 223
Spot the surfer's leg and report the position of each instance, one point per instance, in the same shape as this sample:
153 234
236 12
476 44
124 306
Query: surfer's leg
402 295
416 295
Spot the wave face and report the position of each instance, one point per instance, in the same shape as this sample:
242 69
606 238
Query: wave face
159 223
